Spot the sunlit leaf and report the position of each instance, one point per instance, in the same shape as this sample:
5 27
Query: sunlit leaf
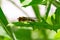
49 20
57 36
53 19
4 38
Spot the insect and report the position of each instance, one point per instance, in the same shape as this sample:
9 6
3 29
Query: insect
25 19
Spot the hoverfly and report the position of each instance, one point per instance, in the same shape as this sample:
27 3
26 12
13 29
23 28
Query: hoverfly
26 19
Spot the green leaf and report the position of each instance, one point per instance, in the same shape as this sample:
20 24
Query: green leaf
56 20
56 25
49 20
23 34
3 18
22 1
57 15
4 38
56 3
34 25
37 13
34 2
44 2
22 24
45 25
1 37
48 8
57 36
4 23
52 19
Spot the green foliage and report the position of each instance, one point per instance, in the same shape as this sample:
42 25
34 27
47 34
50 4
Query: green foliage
42 23
34 25
4 23
56 3
23 34
57 36
57 15
52 19
22 1
4 38
48 9
21 24
57 19
34 2
37 13
3 18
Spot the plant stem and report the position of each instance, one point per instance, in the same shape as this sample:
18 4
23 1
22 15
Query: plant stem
37 13
48 8
45 35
